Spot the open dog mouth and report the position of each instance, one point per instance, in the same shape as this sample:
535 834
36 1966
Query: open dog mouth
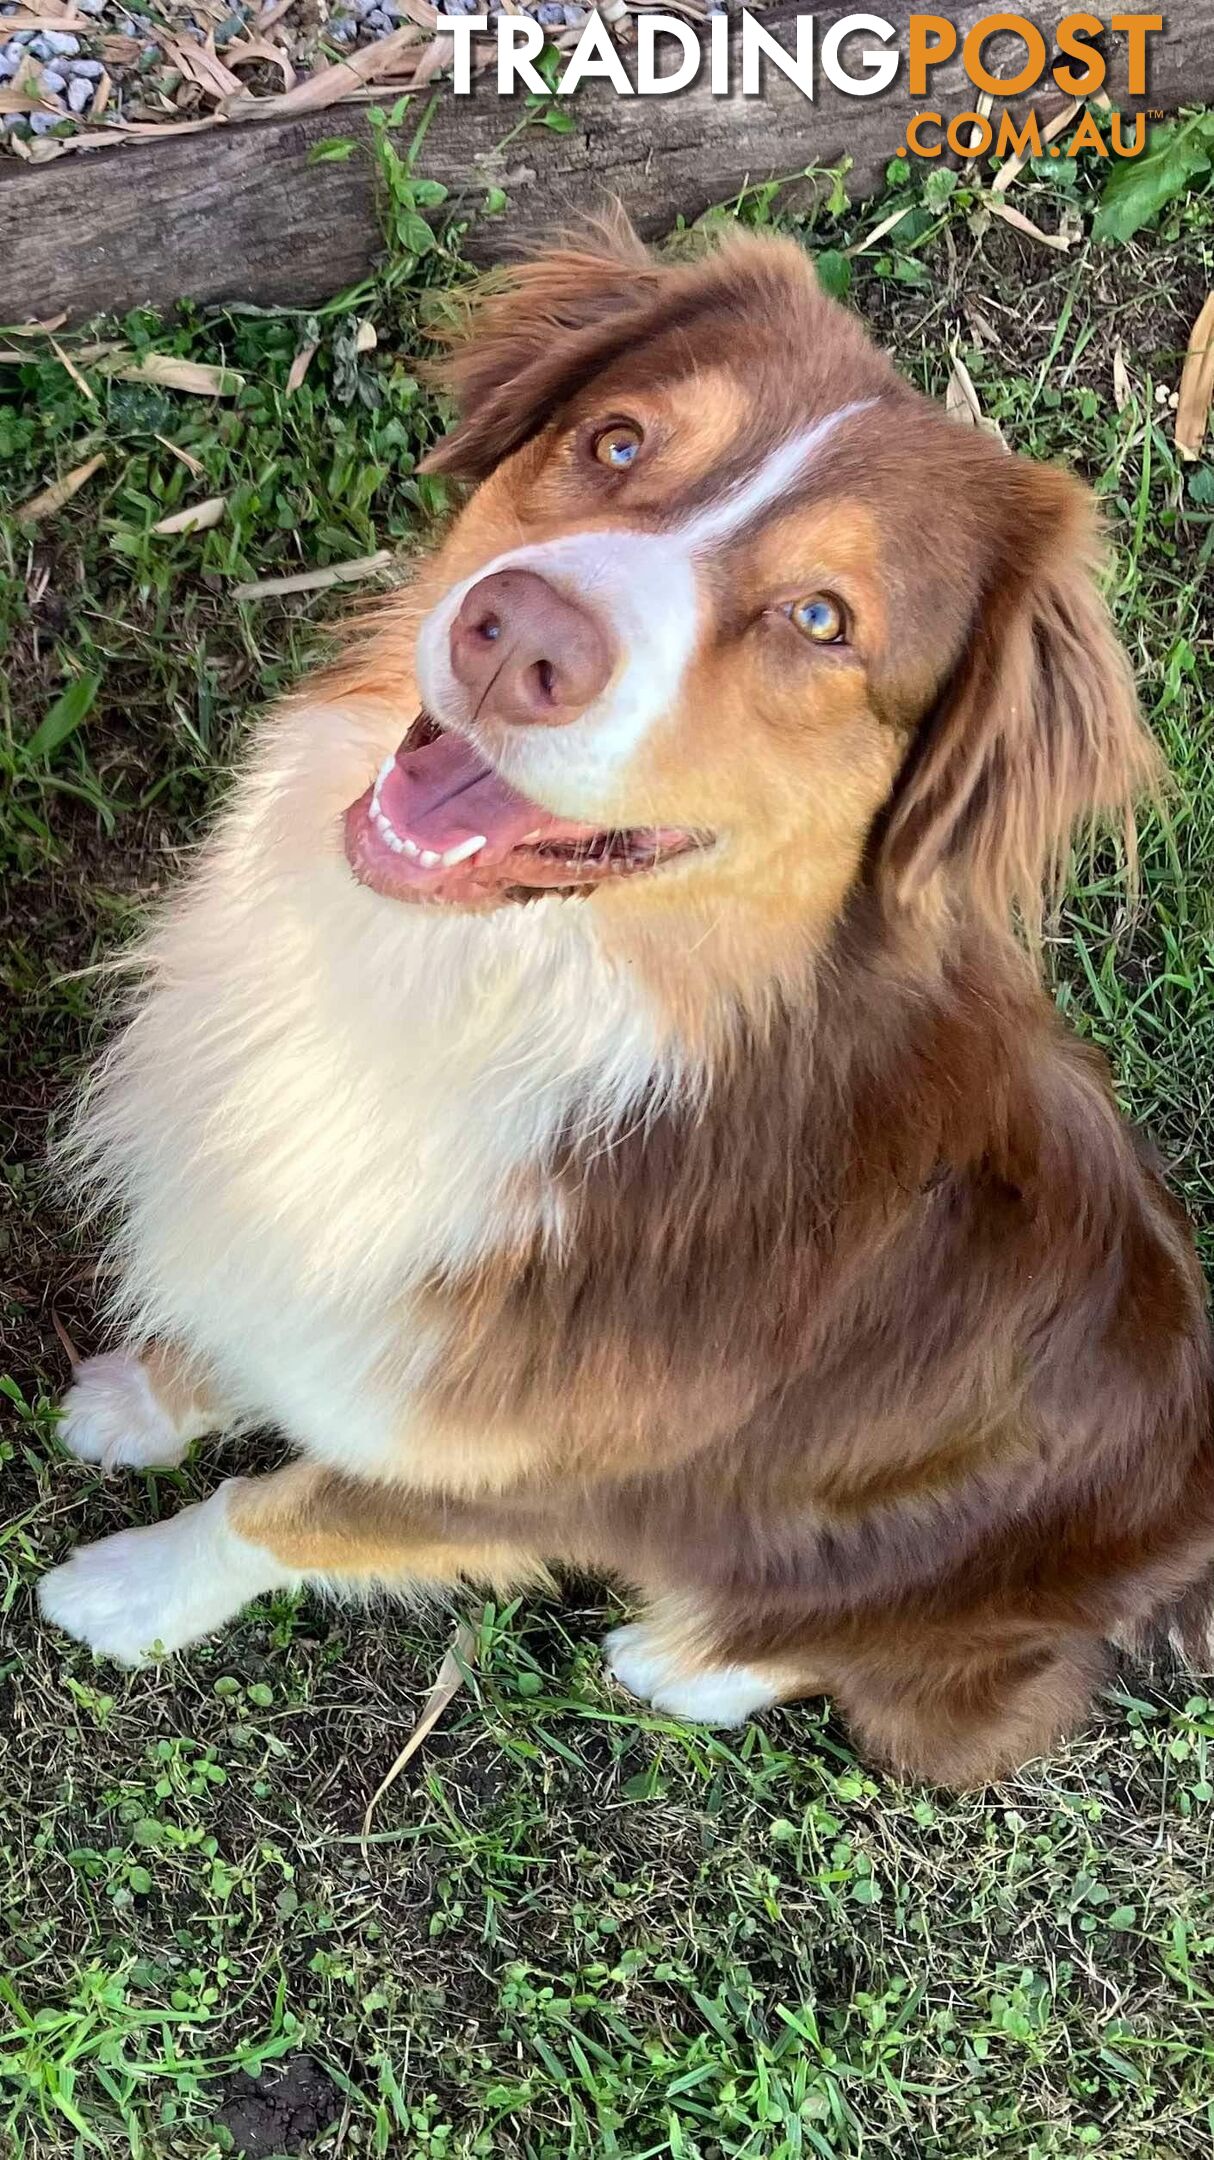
439 824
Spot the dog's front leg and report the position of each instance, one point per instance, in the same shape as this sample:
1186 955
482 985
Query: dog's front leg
145 1591
139 1409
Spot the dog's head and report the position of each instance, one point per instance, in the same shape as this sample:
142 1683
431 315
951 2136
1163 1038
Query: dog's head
735 615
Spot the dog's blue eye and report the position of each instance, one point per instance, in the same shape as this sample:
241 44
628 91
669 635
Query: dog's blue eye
617 446
819 618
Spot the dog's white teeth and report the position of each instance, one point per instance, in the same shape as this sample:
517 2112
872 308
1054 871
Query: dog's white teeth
380 777
428 859
453 855
388 833
529 839
411 848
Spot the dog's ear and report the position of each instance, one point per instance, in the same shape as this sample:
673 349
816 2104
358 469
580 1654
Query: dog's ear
1038 733
532 334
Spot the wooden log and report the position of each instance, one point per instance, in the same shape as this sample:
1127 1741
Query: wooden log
240 213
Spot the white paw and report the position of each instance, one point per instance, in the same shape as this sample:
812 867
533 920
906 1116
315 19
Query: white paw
719 1695
145 1591
111 1416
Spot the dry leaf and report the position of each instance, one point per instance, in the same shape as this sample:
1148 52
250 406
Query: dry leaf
961 399
60 491
437 59
48 147
73 1355
198 519
53 146
1123 389
31 18
243 51
37 329
73 371
879 231
1197 387
330 84
342 573
191 463
116 127
201 67
365 339
299 367
21 101
448 1682
198 378
1015 165
963 404
984 105
1025 225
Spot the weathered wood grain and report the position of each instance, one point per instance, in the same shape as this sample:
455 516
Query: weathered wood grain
239 213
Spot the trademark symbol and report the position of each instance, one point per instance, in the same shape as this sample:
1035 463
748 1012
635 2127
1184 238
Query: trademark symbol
1156 113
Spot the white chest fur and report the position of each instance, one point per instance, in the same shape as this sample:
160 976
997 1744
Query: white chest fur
329 1097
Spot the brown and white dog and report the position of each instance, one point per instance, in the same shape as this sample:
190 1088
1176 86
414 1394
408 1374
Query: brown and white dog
617 1125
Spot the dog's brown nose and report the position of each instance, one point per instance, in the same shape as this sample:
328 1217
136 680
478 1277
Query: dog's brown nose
526 654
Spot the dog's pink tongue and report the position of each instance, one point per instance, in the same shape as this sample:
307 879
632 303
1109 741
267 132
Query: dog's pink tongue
445 795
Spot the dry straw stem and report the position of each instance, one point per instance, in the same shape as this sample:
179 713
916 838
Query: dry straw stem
342 573
448 1682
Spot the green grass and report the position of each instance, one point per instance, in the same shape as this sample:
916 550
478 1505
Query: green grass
575 1931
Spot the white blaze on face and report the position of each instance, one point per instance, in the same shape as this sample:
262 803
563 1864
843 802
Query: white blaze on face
644 588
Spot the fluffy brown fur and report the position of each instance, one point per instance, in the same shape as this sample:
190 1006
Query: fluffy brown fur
877 1358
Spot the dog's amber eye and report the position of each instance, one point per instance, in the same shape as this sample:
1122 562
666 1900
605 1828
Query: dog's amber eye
617 446
819 618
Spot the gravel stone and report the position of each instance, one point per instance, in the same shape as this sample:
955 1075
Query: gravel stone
54 81
41 123
79 94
